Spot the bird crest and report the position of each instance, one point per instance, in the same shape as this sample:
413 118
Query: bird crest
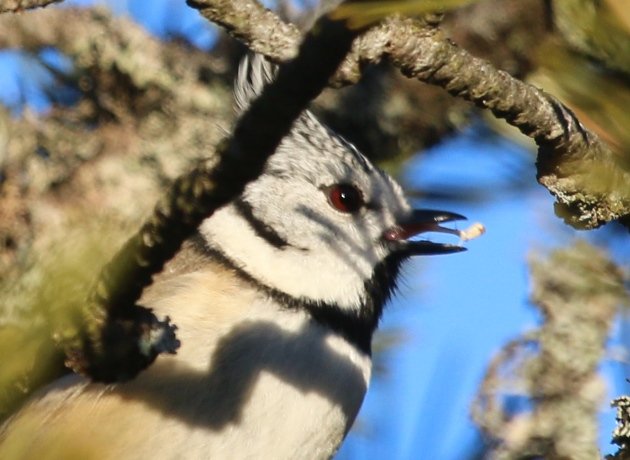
254 73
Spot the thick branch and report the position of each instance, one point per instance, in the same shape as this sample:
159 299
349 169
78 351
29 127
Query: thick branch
120 337
590 183
15 6
254 25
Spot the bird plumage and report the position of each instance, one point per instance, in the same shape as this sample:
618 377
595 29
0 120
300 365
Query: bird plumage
275 299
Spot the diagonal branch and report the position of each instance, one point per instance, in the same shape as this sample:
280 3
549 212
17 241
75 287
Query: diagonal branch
122 338
590 183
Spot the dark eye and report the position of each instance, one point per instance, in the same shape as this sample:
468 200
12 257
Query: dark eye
345 197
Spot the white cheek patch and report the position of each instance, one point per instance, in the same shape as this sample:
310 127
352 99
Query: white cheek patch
328 273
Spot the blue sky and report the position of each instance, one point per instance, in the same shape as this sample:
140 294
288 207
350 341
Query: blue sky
454 311
457 311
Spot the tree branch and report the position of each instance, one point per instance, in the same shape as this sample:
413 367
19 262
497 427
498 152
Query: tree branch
578 291
249 22
621 433
120 338
141 100
15 6
590 183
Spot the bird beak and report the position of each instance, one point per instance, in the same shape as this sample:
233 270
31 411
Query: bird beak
421 221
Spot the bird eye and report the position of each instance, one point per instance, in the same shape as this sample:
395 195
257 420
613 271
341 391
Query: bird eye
345 198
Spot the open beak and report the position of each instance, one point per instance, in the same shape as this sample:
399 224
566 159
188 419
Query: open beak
422 221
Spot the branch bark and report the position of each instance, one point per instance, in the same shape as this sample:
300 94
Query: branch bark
15 6
121 338
589 181
141 100
578 291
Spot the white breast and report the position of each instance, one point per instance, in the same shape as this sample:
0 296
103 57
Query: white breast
251 381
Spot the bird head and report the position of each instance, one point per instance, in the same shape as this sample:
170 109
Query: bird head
322 227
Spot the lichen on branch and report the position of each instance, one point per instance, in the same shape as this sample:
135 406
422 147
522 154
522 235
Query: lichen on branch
15 6
578 291
589 181
113 345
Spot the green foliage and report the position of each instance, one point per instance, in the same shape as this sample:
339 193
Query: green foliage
360 13
42 309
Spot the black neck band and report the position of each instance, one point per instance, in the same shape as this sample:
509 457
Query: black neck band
356 326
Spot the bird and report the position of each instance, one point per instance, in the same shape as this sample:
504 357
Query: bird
276 298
